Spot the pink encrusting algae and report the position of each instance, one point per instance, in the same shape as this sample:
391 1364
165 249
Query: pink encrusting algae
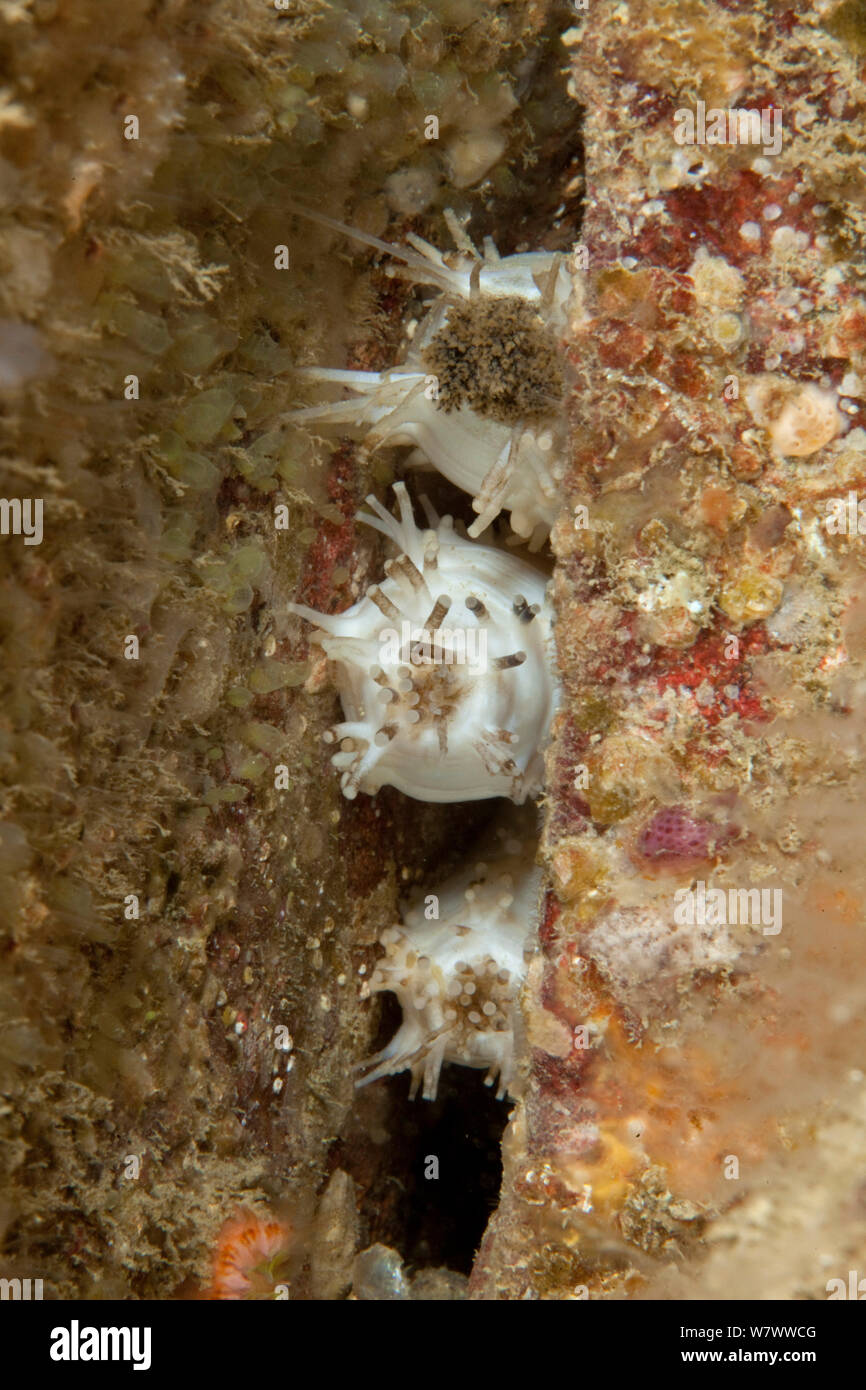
673 833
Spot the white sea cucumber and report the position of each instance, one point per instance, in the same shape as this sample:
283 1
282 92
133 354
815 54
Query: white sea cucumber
458 974
537 276
479 394
458 717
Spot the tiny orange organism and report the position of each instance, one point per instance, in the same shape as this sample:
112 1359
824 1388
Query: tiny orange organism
251 1258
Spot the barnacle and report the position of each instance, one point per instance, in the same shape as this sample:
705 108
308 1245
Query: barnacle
457 974
800 417
480 389
443 713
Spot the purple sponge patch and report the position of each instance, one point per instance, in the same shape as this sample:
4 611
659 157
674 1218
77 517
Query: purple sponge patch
674 834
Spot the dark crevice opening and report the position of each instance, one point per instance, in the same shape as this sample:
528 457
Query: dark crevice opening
446 1216
435 1215
439 1173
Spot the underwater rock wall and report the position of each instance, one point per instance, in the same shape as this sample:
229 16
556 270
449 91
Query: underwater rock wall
190 909
696 1022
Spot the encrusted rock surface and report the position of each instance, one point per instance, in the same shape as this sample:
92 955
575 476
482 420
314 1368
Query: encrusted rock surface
684 1078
